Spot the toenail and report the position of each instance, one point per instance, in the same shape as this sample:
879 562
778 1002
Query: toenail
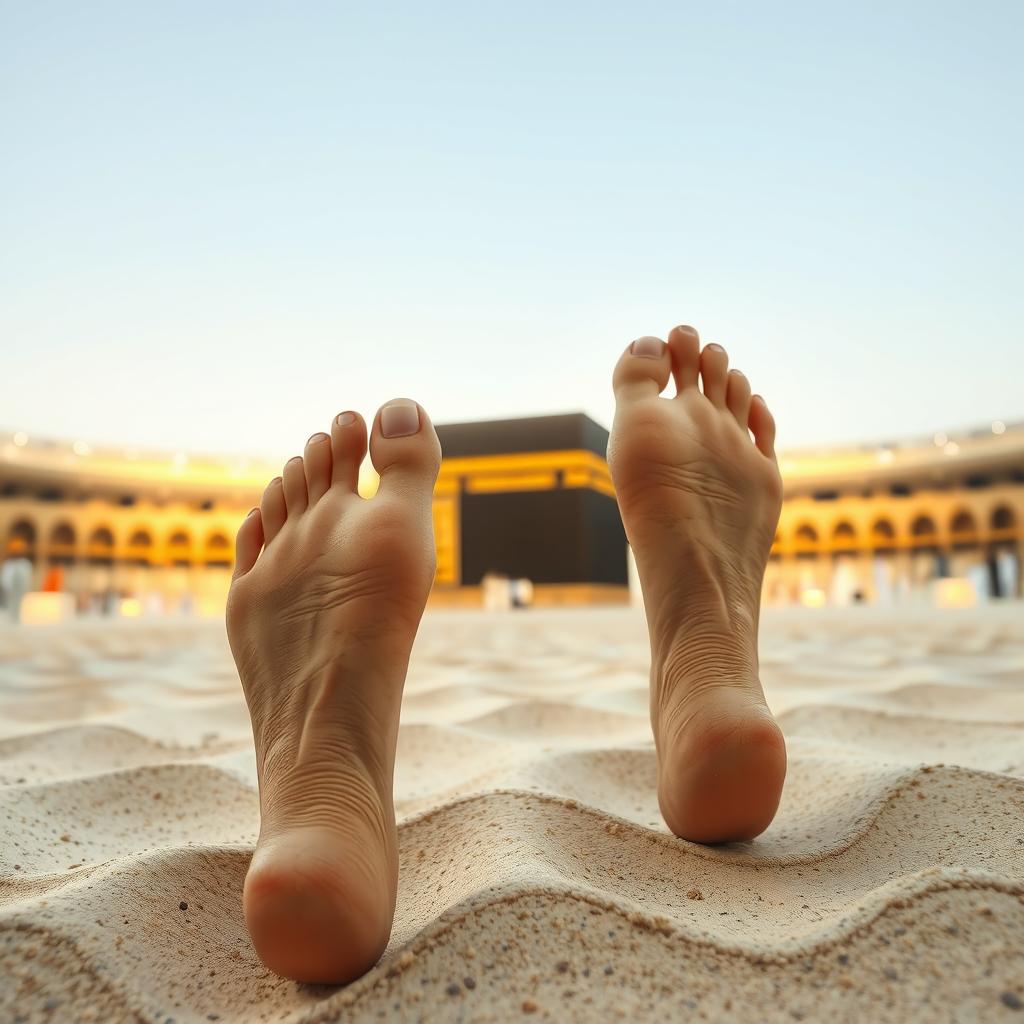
317 438
346 419
399 419
249 514
294 458
687 329
649 348
714 347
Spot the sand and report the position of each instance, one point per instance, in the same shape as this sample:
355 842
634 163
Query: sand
537 879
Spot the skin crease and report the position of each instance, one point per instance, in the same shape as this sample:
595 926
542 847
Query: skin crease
329 590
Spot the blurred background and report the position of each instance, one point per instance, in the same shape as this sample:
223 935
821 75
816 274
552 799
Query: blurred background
222 224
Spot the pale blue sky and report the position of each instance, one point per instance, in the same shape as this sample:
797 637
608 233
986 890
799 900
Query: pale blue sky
220 223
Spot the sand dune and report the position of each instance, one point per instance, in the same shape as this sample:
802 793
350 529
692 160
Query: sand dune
537 879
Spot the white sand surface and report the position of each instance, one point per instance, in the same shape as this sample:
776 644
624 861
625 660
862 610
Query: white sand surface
537 878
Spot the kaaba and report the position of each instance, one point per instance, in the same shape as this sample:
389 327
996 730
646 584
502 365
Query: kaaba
529 499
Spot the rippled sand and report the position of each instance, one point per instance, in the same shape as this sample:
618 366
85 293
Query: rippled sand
537 878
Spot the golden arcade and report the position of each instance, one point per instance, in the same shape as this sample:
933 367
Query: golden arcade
130 533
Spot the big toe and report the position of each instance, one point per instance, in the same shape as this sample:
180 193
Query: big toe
404 449
642 371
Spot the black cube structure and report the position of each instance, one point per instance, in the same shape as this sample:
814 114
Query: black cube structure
529 499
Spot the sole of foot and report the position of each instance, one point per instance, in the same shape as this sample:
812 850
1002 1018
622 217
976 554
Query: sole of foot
325 602
699 490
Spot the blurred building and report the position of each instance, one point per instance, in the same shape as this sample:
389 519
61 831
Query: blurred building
113 527
885 523
137 532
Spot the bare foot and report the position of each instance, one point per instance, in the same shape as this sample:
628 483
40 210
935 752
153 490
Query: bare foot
321 624
700 502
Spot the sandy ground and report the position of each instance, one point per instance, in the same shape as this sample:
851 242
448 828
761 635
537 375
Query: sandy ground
537 879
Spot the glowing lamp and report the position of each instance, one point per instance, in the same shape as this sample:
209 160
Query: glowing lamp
955 593
210 607
42 609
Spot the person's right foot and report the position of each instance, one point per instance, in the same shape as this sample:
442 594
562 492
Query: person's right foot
321 624
700 502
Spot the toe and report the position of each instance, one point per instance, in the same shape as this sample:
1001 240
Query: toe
348 444
273 510
737 397
643 370
714 369
294 486
405 449
684 346
762 426
248 542
317 458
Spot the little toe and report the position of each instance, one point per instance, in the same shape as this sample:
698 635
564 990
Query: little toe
643 370
248 542
348 445
684 345
737 397
405 449
714 369
293 484
273 510
317 458
762 426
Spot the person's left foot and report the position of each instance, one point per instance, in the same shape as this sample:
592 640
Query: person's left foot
321 625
